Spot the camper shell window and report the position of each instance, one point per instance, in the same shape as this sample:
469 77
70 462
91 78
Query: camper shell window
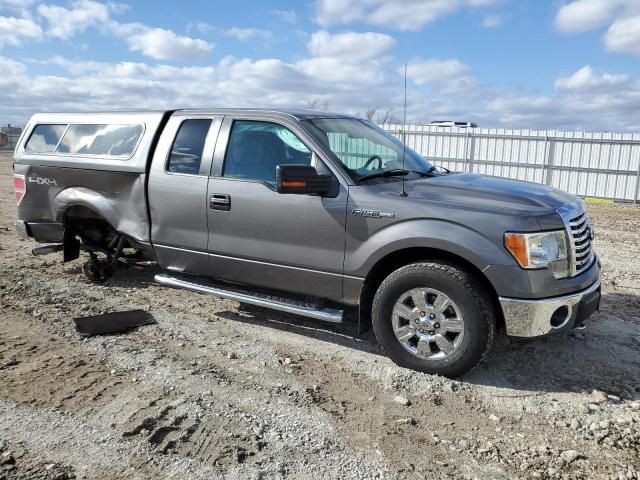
101 140
45 138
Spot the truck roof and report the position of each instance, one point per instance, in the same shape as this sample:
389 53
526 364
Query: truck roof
135 128
298 113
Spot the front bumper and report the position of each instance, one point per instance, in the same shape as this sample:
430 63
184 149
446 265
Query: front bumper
532 318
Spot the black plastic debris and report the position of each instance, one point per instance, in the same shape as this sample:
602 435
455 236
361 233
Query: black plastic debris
115 322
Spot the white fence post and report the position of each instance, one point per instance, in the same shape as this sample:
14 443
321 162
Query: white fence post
551 146
635 197
472 151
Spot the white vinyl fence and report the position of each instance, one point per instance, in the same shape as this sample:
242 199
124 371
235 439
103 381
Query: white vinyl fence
604 165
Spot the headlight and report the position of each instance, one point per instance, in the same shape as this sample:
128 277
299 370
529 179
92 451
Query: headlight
540 250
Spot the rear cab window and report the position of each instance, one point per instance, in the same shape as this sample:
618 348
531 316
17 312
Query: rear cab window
104 140
186 152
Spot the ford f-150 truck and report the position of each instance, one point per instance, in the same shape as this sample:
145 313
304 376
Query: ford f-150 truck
314 214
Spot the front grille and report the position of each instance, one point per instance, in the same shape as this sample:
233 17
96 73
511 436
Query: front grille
580 239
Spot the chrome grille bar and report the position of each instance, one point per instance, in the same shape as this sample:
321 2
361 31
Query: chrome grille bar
580 236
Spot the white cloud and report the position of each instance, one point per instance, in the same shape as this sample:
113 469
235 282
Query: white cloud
13 29
164 44
624 36
158 43
202 27
117 7
402 15
345 60
288 16
584 80
622 17
91 85
446 75
65 23
350 45
583 15
245 34
492 21
584 100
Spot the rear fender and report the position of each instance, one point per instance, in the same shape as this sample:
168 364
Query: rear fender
117 213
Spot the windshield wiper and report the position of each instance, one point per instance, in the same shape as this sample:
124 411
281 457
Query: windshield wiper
395 172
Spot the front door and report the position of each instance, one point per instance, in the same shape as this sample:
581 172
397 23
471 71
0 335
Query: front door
261 237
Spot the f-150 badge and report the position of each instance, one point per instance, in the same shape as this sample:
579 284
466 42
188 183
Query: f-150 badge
363 212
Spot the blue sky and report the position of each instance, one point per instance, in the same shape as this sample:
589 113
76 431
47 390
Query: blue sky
540 64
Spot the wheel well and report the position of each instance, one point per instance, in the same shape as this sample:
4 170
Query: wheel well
89 225
383 268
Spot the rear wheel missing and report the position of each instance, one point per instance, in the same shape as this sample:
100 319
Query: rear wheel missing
97 270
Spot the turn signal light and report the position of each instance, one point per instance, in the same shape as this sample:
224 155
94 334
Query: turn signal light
517 245
297 184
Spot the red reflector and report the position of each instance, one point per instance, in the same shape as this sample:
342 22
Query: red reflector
20 186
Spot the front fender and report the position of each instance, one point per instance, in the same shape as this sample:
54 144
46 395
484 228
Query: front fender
443 235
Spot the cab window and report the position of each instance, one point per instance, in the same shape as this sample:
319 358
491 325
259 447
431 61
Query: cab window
186 152
257 148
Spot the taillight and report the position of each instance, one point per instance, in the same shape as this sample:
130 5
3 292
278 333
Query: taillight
20 186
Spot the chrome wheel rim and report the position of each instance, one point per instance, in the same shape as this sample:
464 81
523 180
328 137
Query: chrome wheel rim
427 323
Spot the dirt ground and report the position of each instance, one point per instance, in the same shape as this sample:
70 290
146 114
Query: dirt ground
220 390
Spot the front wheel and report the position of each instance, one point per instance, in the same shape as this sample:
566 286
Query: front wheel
434 317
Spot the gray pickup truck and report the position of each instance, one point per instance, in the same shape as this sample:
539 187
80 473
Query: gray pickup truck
315 214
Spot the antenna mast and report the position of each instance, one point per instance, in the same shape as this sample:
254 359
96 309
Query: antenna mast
403 193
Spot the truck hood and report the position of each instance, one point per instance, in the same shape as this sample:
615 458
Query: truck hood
486 191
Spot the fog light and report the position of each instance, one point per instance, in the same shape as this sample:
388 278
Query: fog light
560 317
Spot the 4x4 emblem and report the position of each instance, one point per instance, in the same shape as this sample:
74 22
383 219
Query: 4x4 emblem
43 180
363 212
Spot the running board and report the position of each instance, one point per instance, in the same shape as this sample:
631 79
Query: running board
325 314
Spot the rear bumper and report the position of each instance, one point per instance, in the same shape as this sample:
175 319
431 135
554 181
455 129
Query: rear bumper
532 318
44 232
21 229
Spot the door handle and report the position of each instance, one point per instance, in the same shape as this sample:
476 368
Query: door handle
220 201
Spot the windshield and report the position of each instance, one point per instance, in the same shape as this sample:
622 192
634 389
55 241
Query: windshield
365 149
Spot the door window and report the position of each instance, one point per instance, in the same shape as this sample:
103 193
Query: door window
257 148
186 153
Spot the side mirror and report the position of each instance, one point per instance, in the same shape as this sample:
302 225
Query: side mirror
301 179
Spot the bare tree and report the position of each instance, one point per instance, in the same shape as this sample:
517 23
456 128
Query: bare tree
317 104
384 117
369 114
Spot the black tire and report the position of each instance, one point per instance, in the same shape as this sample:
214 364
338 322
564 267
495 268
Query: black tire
469 295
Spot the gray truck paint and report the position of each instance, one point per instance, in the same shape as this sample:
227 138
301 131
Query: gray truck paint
306 245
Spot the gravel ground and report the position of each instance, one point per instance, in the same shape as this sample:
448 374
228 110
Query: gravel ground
221 390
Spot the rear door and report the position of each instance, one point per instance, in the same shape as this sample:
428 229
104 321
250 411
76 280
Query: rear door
261 237
177 192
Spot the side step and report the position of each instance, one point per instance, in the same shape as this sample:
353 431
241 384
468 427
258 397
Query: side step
325 314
